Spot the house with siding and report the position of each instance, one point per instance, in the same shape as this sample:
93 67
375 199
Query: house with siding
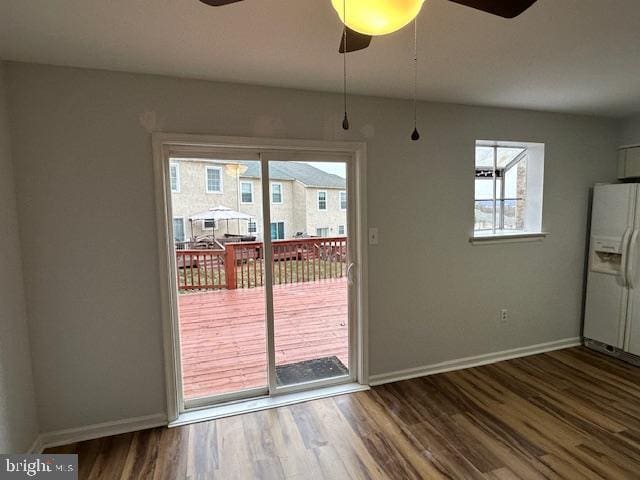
304 199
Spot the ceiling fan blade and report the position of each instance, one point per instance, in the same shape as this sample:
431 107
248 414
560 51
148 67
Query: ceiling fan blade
219 3
502 8
355 41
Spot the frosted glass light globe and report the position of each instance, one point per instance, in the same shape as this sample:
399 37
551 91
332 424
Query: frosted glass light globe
377 17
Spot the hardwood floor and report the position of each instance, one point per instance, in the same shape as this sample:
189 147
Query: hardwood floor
570 414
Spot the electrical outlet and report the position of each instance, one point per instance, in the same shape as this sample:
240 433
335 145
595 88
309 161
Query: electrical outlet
504 315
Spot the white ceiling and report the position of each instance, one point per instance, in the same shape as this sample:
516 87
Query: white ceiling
561 55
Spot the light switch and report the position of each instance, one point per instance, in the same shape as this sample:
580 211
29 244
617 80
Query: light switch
373 236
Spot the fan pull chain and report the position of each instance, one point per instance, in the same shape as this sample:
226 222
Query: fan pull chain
415 136
345 121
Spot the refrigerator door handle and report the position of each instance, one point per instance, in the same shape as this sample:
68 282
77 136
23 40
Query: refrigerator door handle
633 250
625 253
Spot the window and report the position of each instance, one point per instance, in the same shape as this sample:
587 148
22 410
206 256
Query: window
277 230
276 193
343 200
322 200
252 228
322 232
340 229
214 179
246 195
508 188
178 229
210 223
174 177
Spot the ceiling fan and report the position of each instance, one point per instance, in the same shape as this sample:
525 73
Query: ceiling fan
355 40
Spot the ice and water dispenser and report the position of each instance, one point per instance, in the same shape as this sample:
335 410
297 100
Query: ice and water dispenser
606 255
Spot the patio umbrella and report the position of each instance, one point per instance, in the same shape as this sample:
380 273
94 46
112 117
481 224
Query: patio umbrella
220 213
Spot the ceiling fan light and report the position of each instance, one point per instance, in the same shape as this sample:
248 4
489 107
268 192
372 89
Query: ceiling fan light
377 17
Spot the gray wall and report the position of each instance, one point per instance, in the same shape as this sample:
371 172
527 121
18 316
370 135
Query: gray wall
85 190
631 131
18 420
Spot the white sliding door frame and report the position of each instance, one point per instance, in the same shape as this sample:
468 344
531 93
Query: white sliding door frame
354 346
167 145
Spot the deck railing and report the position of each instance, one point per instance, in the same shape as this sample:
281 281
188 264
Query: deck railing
241 265
200 269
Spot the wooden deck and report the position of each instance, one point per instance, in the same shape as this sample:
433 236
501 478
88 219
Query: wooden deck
223 333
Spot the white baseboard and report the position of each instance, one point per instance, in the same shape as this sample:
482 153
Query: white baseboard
90 432
73 435
36 446
469 362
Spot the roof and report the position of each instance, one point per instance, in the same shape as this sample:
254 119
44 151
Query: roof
302 172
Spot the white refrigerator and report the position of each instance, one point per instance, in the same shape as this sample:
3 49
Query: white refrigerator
612 311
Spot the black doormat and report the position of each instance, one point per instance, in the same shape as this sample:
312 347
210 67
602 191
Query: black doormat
316 369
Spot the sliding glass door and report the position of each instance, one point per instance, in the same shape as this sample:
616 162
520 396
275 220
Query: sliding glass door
310 269
263 272
219 264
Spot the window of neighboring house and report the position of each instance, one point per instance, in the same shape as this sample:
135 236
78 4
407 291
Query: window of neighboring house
174 177
322 200
277 230
343 200
508 188
210 223
340 229
276 193
178 229
214 179
252 228
322 232
246 189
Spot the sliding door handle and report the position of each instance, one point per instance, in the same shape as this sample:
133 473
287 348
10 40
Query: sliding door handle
349 273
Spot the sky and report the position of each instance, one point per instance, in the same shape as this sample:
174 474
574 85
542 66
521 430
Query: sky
337 168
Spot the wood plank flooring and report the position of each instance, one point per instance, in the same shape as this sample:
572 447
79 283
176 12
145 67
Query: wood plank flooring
570 414
223 338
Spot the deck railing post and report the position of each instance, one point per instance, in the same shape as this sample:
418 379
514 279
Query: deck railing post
230 266
179 256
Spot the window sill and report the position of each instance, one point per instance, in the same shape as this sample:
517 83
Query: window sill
508 238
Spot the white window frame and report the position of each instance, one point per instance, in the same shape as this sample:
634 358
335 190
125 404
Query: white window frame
342 230
281 193
346 200
326 201
534 152
175 165
251 187
206 179
276 223
255 224
184 229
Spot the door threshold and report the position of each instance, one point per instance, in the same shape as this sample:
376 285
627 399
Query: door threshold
263 403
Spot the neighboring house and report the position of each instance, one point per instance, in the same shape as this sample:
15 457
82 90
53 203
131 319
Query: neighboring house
304 199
